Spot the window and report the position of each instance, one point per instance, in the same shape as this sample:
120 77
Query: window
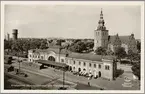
30 55
74 62
90 64
107 67
62 60
94 65
66 61
84 64
79 63
33 56
74 68
99 66
38 56
41 57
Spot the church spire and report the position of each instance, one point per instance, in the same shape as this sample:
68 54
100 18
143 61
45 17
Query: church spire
101 15
101 22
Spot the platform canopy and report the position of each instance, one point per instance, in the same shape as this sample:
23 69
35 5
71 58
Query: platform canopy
47 62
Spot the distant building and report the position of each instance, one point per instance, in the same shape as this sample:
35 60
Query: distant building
15 34
95 65
102 38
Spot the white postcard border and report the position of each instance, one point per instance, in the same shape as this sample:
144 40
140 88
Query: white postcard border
131 3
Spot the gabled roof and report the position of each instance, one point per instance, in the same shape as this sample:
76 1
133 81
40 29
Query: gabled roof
124 39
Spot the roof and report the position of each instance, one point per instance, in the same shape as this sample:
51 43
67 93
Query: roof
55 49
89 56
124 39
85 56
111 39
51 63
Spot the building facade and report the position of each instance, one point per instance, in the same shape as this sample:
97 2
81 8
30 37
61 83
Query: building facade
83 63
103 39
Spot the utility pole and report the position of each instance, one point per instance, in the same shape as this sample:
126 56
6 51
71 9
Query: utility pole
63 77
63 68
19 62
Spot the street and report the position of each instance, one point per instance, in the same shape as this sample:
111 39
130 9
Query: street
99 83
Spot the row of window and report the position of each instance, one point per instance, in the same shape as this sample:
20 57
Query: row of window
106 68
84 64
35 56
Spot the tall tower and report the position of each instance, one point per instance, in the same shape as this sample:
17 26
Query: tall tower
100 34
15 34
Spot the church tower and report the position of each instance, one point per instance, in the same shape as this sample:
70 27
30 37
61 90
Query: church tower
100 34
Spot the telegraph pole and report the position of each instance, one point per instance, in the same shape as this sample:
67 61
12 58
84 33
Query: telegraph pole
64 77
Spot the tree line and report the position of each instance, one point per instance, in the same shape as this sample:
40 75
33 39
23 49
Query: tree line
23 45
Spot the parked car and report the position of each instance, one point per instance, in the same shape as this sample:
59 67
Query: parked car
86 75
75 73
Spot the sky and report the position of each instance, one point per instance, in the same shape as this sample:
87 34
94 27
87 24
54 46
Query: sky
71 21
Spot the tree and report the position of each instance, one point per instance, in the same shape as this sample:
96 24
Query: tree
138 46
109 52
136 69
78 47
100 51
17 47
77 40
59 42
133 56
26 46
43 45
7 44
120 52
89 45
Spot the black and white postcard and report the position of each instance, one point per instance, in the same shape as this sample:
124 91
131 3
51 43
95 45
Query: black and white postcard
68 46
